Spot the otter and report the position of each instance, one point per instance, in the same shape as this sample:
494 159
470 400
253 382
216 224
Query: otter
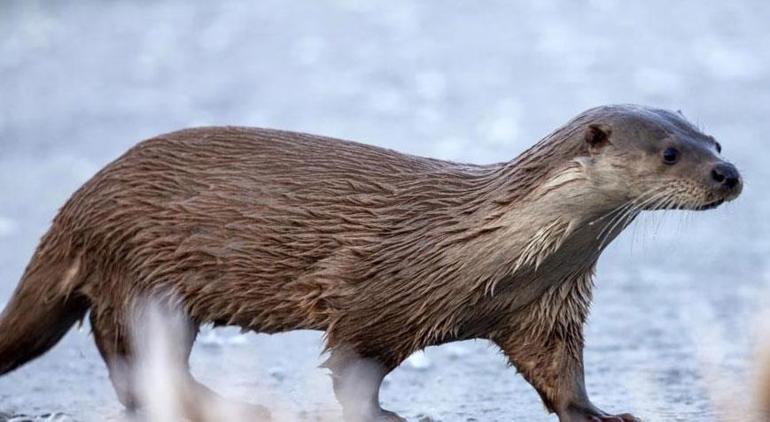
387 253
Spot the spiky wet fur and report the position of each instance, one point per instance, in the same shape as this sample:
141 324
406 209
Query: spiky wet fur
387 253
274 231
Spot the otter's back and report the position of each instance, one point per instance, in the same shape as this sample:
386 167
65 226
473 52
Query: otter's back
224 214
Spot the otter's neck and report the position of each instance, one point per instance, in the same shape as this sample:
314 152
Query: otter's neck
554 232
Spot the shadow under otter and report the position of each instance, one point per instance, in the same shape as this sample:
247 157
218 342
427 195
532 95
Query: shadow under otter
387 253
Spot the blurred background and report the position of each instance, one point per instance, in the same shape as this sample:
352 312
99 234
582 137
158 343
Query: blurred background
679 298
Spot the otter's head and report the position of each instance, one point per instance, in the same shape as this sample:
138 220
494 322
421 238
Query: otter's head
655 159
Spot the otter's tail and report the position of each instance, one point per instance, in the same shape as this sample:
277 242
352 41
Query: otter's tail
44 306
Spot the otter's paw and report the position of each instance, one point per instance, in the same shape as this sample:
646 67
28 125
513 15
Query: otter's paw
625 417
594 415
388 416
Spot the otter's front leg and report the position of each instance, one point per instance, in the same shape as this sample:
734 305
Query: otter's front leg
357 383
553 363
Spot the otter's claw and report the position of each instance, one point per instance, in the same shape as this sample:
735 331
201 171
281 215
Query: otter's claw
592 414
625 417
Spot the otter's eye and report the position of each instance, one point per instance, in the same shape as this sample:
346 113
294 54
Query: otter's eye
670 155
719 148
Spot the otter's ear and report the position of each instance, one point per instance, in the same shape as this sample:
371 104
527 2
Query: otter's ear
597 136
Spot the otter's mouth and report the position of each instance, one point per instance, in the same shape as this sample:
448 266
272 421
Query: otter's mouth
707 206
710 205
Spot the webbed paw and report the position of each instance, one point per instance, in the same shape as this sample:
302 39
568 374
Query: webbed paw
593 414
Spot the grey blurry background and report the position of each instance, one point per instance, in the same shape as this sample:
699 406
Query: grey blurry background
678 298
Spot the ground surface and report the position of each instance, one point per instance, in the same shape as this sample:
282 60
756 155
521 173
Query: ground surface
678 296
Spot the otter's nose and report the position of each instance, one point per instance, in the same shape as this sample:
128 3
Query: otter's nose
726 175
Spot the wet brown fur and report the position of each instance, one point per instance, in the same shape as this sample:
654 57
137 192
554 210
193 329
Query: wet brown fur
273 231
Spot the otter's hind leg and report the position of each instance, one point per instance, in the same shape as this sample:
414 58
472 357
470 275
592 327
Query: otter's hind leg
197 402
357 386
112 342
